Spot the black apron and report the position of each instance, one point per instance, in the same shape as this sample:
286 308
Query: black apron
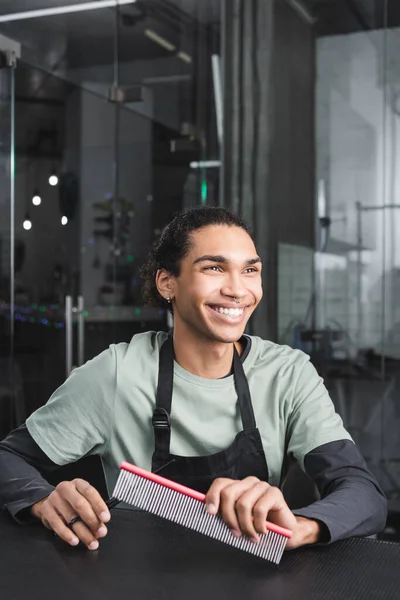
244 457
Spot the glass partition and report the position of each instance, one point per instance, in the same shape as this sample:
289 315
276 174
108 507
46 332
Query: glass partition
115 125
338 298
11 399
358 212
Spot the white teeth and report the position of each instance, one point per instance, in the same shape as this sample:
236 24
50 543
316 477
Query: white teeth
232 312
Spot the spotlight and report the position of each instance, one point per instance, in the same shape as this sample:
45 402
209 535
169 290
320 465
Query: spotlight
36 199
152 35
53 179
64 220
27 224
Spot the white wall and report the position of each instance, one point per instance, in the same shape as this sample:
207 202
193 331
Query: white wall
358 134
295 268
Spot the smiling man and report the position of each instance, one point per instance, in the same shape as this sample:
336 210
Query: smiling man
207 406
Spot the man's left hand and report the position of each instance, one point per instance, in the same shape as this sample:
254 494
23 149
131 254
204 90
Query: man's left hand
245 506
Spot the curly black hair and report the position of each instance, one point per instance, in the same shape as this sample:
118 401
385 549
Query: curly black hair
174 244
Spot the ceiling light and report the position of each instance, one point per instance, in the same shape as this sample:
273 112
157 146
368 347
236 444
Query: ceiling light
53 179
152 35
205 164
27 224
64 220
185 57
36 199
63 10
217 84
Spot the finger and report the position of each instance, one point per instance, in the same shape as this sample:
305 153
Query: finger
52 520
268 505
94 499
244 509
85 535
80 506
228 498
66 511
213 494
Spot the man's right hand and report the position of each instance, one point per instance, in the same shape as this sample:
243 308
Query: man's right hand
72 499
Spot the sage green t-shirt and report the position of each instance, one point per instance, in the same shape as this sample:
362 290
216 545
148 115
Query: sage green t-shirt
105 407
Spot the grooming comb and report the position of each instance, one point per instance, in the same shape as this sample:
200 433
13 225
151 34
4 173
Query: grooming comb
186 507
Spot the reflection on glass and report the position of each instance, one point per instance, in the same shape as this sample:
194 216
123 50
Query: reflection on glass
113 107
341 303
357 126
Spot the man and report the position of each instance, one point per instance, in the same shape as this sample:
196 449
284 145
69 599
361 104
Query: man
208 407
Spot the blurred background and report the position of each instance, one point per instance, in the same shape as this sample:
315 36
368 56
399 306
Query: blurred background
116 115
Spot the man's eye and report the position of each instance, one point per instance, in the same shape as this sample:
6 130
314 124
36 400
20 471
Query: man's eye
213 268
251 270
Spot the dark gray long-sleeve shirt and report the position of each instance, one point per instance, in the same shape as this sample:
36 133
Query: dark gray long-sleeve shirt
351 504
105 408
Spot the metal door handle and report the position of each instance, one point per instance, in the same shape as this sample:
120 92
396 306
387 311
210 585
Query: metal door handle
81 331
68 334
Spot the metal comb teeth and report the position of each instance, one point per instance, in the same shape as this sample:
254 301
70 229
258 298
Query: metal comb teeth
191 513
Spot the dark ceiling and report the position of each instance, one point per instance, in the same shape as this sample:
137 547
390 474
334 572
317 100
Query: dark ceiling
335 17
205 10
86 39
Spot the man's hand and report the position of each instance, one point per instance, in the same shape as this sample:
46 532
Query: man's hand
71 499
246 505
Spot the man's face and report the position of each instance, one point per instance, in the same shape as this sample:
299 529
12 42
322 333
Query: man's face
222 264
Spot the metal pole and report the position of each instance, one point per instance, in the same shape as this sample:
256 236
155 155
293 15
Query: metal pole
116 165
359 274
12 210
226 65
360 209
81 331
216 72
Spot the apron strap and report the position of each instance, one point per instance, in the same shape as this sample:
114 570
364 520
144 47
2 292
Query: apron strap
161 420
243 392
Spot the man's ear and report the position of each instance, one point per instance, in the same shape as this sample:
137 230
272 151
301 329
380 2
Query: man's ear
164 283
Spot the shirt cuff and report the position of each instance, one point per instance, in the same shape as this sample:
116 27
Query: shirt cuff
19 509
328 526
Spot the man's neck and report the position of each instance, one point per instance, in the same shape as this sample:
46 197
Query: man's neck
203 357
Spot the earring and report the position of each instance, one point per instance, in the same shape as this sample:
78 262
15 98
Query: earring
168 299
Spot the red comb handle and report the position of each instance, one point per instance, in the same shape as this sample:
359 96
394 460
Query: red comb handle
162 481
189 492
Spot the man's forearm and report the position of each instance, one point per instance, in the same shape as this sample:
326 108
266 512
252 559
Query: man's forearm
21 485
21 481
352 502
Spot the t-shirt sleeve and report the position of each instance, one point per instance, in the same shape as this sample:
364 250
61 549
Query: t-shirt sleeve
77 419
312 419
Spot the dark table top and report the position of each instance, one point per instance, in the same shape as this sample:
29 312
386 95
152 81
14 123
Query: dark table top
144 557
